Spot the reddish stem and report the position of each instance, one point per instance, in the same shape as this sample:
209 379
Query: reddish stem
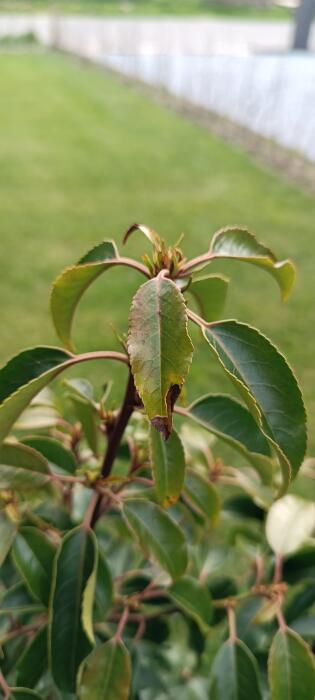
121 624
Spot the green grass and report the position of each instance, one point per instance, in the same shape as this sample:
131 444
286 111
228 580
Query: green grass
82 157
145 7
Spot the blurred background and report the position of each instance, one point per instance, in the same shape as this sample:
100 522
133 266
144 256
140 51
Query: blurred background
186 115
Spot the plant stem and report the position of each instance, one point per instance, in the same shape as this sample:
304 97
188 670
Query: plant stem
114 440
232 623
278 568
122 623
4 686
195 262
120 425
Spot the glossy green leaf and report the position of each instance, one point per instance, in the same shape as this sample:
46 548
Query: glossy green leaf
69 287
60 459
158 535
32 664
291 668
210 293
290 521
203 495
23 377
268 386
22 468
33 556
69 642
234 673
7 535
103 591
194 598
106 673
160 348
168 466
227 418
149 233
230 420
240 244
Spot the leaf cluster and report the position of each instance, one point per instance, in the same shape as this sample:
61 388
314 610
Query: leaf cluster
136 563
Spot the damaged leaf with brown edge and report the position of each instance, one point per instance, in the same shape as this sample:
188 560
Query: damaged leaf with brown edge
160 348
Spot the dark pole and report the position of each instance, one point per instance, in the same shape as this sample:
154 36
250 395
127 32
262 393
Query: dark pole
304 17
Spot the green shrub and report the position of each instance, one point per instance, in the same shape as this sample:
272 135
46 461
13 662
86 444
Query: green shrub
135 564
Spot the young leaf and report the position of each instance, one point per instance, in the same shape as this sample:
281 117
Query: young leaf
7 535
22 468
149 233
33 556
290 521
195 599
240 244
268 386
168 465
69 642
160 348
106 673
68 288
210 293
291 668
60 459
33 662
203 495
234 673
158 535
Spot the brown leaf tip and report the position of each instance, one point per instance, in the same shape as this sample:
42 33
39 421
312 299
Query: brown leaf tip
162 425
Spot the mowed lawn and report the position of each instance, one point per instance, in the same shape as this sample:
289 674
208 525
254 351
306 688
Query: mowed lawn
81 158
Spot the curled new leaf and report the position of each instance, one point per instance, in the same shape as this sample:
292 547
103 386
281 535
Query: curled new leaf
149 233
268 386
160 348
